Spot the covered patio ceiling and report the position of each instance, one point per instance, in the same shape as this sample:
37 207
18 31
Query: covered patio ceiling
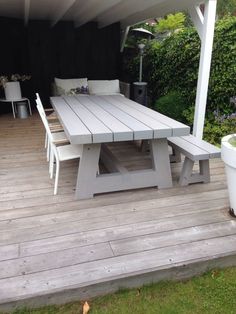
127 12
105 12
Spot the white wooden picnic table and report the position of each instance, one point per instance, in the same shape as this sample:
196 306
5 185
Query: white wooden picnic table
95 120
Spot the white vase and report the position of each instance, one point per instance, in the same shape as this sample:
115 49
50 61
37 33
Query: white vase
228 155
12 91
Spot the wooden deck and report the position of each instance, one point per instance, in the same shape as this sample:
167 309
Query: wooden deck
54 249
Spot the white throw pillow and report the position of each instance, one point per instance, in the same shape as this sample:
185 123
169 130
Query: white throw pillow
70 86
104 87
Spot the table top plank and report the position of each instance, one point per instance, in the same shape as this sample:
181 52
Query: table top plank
120 131
160 130
100 132
100 119
141 131
74 128
178 128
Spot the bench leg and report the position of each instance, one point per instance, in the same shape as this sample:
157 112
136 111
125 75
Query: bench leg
188 177
186 172
204 170
175 156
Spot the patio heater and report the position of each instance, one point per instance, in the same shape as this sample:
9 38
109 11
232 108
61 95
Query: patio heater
140 88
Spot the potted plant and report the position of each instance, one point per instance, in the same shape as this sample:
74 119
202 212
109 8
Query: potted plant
11 85
228 155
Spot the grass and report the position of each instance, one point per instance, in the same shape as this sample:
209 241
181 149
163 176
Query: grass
212 293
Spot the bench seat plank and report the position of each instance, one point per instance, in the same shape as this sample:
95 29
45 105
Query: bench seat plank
188 149
211 149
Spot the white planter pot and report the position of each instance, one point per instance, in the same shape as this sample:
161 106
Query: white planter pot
228 155
12 91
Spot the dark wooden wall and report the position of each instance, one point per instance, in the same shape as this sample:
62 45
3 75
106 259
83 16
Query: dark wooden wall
62 51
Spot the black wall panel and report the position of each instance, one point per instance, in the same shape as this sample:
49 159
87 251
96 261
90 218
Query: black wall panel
62 51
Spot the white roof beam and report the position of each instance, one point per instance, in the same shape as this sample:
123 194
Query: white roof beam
62 8
157 10
124 9
91 9
197 18
124 36
26 11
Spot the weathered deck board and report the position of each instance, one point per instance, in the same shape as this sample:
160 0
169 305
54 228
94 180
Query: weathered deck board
54 249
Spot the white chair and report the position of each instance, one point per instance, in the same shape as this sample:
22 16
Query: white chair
59 153
56 128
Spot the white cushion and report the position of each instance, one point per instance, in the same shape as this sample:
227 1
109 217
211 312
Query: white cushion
64 86
104 87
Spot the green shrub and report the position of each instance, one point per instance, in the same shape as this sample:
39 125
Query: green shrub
173 65
172 105
215 127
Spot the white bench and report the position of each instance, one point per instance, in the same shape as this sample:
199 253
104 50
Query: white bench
194 150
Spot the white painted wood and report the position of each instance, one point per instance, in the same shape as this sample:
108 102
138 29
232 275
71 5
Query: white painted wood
120 131
194 149
75 130
26 11
204 67
124 36
88 10
188 149
197 18
160 162
156 10
186 172
178 128
213 151
124 9
160 130
100 132
62 8
105 12
87 172
140 130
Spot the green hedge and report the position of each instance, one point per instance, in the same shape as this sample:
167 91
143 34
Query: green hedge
173 65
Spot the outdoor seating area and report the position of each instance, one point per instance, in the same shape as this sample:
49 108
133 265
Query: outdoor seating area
118 146
56 249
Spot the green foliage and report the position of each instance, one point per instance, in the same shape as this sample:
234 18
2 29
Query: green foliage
215 129
173 65
172 105
171 23
226 7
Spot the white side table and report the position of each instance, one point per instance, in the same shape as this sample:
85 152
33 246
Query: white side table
15 101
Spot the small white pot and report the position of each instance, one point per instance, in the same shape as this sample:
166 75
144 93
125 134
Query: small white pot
228 155
12 91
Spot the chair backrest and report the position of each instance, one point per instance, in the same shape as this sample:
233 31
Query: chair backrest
43 117
40 105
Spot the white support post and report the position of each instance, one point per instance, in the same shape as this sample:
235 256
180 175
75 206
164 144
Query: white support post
124 37
205 66
197 18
